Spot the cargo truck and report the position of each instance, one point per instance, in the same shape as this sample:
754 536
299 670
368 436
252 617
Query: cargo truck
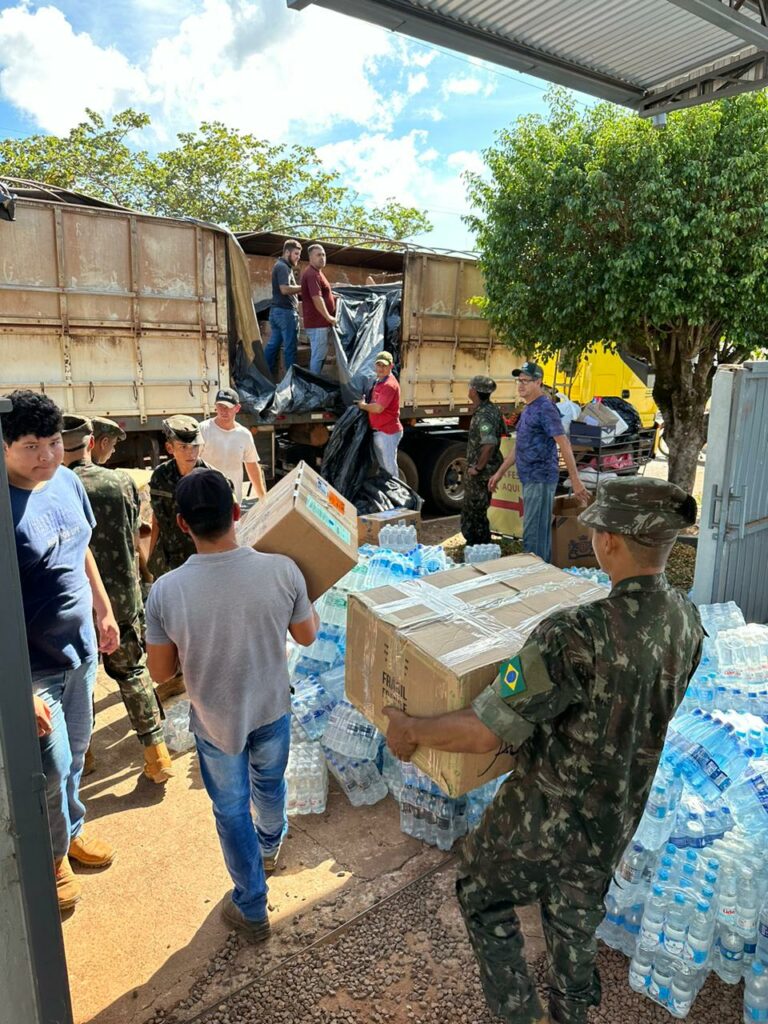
117 313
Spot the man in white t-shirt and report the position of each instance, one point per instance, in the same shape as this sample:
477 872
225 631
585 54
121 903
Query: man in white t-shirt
228 446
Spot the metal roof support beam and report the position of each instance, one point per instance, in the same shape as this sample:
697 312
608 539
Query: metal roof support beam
744 75
433 27
727 18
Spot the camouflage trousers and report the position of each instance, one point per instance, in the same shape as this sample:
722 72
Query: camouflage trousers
474 511
127 666
570 897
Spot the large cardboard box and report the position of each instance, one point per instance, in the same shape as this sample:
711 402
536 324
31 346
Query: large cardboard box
571 542
303 517
369 527
431 645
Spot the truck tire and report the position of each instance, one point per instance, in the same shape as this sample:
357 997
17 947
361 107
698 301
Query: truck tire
446 477
409 474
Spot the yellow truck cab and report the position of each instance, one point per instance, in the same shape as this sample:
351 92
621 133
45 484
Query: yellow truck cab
600 373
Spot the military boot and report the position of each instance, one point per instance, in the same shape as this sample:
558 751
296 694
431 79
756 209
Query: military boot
68 889
157 763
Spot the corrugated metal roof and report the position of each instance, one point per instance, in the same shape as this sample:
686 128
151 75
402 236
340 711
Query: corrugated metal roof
622 50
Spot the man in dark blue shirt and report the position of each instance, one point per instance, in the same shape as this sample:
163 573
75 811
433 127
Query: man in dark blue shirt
539 435
284 314
62 592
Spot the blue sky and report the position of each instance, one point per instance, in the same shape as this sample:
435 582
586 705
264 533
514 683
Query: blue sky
396 117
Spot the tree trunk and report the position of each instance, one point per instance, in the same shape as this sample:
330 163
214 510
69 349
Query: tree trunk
681 391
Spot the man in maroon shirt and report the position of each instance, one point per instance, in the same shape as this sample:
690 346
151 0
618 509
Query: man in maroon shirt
384 414
318 306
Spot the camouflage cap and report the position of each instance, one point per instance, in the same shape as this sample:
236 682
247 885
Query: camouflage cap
485 385
651 511
74 431
102 426
182 428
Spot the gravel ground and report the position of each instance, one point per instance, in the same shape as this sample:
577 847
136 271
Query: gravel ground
408 961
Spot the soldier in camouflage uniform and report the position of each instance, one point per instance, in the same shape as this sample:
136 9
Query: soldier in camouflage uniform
170 547
586 702
114 542
483 460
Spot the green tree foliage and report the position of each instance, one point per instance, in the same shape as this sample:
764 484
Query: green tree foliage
216 174
597 227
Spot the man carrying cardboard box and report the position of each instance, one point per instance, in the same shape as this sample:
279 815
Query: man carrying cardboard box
201 616
586 702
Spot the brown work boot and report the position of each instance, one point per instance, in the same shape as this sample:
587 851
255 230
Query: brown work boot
92 853
170 688
157 763
89 764
254 931
270 863
68 889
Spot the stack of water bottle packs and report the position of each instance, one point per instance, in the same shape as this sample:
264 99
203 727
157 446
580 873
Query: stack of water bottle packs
329 735
690 894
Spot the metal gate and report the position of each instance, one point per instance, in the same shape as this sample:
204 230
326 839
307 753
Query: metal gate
732 559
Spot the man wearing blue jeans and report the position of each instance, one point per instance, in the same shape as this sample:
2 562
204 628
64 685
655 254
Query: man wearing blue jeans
222 619
284 314
539 435
62 591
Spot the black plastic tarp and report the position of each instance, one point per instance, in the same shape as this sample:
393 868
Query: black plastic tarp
302 391
369 323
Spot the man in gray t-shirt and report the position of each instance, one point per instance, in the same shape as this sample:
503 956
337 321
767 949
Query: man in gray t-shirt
222 619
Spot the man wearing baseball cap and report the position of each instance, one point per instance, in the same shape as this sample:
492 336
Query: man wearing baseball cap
106 435
586 702
237 679
228 446
383 407
539 435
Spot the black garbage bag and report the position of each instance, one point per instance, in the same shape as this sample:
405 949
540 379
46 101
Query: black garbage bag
627 411
348 456
383 492
302 391
256 391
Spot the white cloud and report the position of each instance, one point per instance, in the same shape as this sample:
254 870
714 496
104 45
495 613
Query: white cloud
408 167
466 160
464 86
256 66
417 83
52 73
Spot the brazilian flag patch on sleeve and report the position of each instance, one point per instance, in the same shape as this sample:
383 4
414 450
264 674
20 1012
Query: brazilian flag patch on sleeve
510 682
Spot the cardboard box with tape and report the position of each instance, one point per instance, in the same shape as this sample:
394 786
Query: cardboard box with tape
370 526
571 542
431 645
303 517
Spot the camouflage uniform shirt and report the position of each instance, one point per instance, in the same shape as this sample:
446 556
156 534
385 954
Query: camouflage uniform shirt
587 701
173 546
115 503
487 427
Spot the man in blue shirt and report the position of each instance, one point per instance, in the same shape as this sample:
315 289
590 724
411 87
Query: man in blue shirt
539 435
62 592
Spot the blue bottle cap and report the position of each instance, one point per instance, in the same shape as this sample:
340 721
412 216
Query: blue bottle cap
679 898
757 967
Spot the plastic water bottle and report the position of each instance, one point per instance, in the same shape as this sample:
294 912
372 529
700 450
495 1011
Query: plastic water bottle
656 822
640 969
761 951
631 932
727 896
676 925
747 905
756 994
633 874
682 993
748 799
701 932
312 705
718 617
475 553
392 774
652 925
361 781
661 980
306 778
729 955
611 927
350 734
176 731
